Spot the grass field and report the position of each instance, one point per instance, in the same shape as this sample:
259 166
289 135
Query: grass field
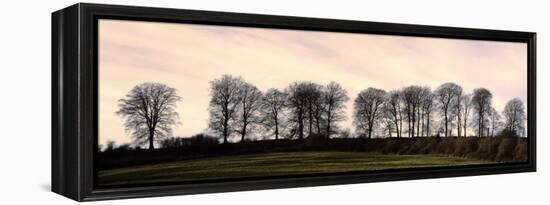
271 164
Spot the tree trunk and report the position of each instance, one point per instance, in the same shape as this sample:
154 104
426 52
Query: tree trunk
418 121
422 118
458 124
446 124
151 141
370 128
397 128
413 121
409 125
225 130
482 126
318 125
479 125
428 124
276 129
301 124
328 126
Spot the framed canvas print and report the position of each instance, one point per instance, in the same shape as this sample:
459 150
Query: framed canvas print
154 102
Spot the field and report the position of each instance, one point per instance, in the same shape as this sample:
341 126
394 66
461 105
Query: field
271 164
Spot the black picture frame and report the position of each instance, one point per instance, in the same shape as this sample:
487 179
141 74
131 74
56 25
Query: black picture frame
75 94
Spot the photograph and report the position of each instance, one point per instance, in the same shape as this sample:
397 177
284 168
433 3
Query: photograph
183 103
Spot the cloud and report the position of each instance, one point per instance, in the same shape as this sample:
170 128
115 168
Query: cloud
188 56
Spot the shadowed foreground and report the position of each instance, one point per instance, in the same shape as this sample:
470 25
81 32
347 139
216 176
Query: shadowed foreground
493 149
271 164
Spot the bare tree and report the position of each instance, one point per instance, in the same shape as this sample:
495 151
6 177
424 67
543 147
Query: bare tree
393 110
149 112
224 102
273 106
412 98
427 106
367 109
457 112
249 105
514 114
481 102
447 96
465 100
314 106
333 101
297 94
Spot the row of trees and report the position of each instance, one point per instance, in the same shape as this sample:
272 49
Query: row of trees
418 107
237 106
308 108
239 109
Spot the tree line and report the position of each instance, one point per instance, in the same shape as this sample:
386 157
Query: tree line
416 106
238 109
302 108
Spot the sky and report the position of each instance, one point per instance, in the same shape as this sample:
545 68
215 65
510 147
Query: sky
187 57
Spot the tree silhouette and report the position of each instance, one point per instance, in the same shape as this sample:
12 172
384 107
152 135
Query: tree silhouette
313 95
367 109
426 106
297 94
447 96
149 112
481 102
249 105
224 102
412 96
393 109
334 99
273 106
457 112
514 114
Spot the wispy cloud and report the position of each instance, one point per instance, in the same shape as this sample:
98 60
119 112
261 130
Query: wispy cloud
187 57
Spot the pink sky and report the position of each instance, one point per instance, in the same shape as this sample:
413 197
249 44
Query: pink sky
187 57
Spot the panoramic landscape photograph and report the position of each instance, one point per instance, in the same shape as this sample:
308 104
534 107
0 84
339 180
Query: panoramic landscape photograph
184 103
